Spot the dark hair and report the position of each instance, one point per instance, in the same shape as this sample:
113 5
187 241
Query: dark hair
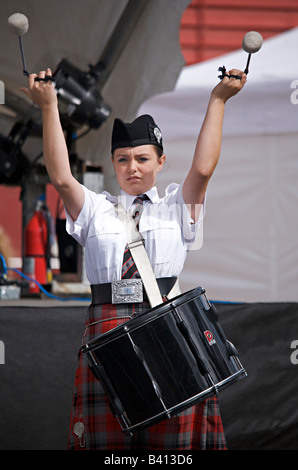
159 151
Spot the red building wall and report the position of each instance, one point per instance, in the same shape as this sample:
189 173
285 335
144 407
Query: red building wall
210 28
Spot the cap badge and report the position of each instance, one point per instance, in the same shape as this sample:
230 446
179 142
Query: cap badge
157 134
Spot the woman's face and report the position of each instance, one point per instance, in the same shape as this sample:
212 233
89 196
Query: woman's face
136 168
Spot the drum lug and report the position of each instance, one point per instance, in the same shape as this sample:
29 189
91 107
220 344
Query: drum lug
214 311
188 338
205 302
231 348
125 421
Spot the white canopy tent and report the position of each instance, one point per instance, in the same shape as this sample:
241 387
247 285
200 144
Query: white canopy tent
250 243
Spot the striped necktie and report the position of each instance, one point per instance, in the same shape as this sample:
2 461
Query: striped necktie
129 269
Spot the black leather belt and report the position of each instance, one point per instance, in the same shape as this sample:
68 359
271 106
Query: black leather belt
102 293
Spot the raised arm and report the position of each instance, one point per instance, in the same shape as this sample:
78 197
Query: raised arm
208 145
54 146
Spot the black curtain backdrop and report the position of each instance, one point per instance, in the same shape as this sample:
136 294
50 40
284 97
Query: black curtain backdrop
259 412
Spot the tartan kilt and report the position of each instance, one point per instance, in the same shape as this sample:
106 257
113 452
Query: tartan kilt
197 428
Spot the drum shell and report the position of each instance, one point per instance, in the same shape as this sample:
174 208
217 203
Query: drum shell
164 361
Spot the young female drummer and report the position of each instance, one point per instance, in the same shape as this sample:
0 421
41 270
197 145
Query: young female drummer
137 157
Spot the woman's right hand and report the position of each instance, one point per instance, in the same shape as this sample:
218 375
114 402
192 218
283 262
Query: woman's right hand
41 92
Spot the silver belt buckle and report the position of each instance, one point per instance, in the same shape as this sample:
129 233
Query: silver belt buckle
127 291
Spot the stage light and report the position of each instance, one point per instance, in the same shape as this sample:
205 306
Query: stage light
80 103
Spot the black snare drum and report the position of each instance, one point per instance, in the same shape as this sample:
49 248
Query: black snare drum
164 361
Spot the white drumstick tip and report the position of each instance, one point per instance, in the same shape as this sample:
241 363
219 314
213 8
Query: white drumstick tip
18 24
252 42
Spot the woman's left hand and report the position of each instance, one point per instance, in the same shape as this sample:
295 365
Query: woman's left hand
230 85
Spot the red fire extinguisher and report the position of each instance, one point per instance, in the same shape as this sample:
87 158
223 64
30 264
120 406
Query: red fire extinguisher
37 247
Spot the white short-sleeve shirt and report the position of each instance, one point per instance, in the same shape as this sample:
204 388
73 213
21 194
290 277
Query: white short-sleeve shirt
166 226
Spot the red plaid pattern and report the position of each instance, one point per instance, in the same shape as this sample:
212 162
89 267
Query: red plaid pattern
198 428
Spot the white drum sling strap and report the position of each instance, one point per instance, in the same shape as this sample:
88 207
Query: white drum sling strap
136 246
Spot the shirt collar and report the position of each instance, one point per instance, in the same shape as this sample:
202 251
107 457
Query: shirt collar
128 199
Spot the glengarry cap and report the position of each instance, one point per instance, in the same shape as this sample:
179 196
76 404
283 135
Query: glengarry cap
142 131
